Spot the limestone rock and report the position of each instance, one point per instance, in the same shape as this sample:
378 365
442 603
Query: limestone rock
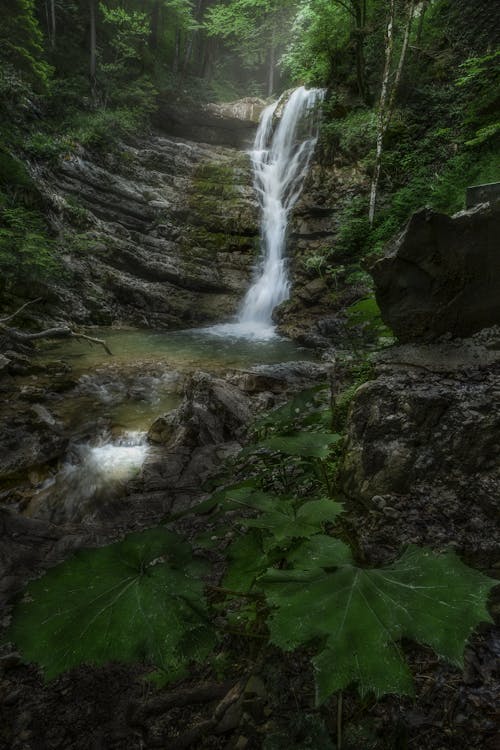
163 234
231 124
442 275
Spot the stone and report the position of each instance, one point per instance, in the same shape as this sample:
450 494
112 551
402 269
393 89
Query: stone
442 275
171 233
229 124
482 194
4 362
213 411
422 447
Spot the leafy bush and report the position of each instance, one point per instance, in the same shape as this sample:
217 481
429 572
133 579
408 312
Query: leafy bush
27 253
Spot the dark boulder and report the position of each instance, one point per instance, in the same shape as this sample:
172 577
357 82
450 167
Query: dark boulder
442 275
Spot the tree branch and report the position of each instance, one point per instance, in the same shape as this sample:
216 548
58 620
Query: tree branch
13 315
63 332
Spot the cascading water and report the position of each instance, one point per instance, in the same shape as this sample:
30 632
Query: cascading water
280 158
280 162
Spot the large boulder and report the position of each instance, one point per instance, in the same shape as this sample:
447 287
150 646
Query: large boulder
213 412
442 275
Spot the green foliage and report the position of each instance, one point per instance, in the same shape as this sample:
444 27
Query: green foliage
305 444
21 42
137 600
351 137
359 616
319 32
288 579
366 313
27 253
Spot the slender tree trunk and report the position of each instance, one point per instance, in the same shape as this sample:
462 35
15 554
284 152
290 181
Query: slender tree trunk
360 32
191 38
50 14
272 65
93 41
155 23
53 23
177 51
388 95
423 11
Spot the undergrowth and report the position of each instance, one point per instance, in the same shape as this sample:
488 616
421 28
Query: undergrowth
292 579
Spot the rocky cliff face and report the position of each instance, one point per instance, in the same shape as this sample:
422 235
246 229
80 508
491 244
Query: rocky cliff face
163 233
424 435
316 299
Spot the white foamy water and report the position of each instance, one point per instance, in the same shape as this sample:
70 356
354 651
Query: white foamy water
280 157
93 472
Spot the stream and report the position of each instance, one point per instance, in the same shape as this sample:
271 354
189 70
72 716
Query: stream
114 400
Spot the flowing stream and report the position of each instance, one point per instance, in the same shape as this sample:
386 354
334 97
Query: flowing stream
111 401
281 156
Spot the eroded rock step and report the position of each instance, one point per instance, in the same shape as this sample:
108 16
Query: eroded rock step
163 233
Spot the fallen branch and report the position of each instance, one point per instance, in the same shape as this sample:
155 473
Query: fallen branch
64 332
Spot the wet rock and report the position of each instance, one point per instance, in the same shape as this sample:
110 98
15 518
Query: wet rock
442 275
285 376
213 411
170 233
423 445
228 124
30 440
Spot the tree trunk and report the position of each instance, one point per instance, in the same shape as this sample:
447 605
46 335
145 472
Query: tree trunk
177 51
388 95
155 23
360 33
389 43
93 42
423 11
272 65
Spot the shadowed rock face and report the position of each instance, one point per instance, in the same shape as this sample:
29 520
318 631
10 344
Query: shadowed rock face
442 275
232 124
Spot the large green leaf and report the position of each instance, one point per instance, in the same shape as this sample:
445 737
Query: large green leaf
359 616
137 600
247 560
303 444
284 521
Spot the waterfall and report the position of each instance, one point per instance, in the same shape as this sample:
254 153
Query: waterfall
281 155
280 161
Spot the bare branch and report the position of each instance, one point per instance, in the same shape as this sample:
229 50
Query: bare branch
63 332
13 315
